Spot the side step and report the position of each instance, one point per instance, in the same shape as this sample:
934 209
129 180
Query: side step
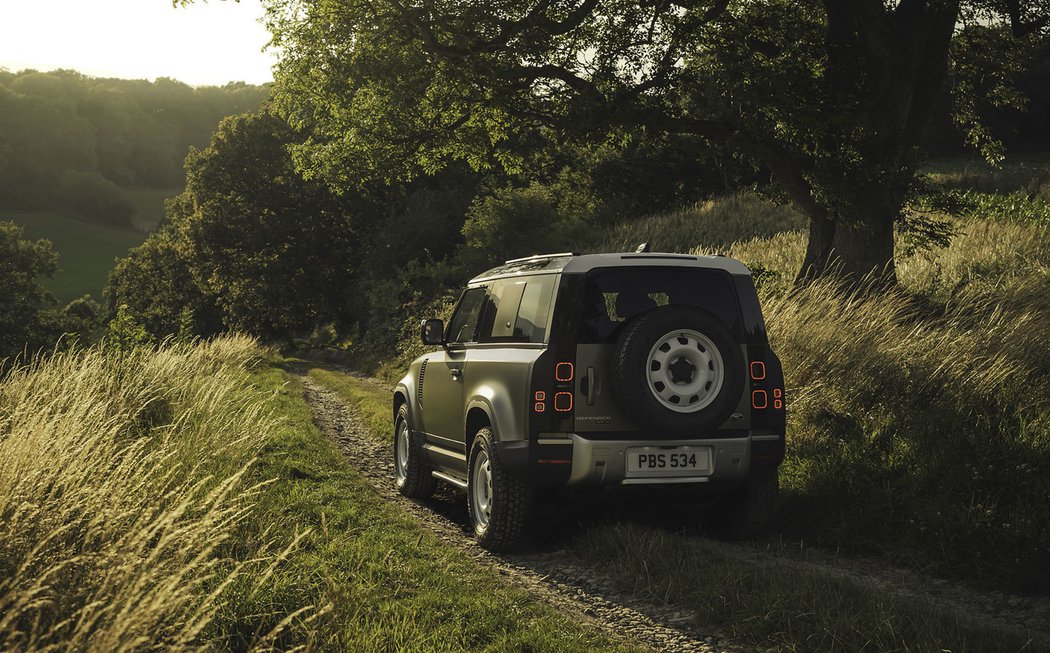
448 478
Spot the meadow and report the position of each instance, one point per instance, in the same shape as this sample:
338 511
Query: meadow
86 250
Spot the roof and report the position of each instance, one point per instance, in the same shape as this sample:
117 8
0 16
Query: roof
579 263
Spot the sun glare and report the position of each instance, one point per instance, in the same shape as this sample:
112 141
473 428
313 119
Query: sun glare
205 43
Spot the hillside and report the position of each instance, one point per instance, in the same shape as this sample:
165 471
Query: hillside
86 250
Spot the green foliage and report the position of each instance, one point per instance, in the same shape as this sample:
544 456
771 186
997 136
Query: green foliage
75 142
274 250
125 331
515 222
1017 206
155 283
24 303
96 198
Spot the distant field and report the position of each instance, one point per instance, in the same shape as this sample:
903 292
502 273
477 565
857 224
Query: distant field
86 251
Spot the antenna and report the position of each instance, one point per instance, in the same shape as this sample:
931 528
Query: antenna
642 249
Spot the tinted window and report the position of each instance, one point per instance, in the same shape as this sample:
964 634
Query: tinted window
506 297
516 309
531 323
464 323
613 297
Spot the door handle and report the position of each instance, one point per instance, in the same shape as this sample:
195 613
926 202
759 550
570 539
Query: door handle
590 386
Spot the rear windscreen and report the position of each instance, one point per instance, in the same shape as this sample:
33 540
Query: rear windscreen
613 297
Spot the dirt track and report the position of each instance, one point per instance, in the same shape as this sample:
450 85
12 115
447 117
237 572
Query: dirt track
556 577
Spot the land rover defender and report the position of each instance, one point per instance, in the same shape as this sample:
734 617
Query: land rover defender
570 370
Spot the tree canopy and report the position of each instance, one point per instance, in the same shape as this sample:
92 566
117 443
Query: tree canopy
832 98
72 141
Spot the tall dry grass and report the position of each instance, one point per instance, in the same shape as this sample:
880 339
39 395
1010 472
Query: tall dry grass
919 421
121 479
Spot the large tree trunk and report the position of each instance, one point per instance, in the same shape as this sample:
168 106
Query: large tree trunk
856 252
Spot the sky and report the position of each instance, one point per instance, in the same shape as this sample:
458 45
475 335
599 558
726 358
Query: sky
205 43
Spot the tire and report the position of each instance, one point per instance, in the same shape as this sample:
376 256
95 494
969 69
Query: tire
747 513
676 370
498 502
411 474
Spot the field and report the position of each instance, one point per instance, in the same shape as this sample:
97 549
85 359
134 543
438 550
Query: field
86 251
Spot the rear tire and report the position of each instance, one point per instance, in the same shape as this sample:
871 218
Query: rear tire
498 502
746 514
412 476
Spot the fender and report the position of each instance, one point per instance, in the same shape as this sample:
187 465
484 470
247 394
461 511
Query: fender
501 414
407 390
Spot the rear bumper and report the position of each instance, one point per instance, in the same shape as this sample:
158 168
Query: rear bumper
572 459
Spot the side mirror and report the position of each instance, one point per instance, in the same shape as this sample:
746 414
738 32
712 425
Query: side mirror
432 332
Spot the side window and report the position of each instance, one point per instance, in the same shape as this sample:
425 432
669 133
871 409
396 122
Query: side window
531 322
517 310
464 323
507 296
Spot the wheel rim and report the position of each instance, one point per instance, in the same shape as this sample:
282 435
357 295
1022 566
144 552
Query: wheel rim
685 371
481 490
401 451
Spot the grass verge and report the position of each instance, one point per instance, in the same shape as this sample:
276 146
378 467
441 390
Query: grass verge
763 599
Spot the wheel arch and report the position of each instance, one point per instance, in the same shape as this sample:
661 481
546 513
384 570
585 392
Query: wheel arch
479 416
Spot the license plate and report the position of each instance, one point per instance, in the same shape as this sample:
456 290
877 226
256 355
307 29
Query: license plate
668 461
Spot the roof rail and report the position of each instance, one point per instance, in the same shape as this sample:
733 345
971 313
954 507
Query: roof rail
537 257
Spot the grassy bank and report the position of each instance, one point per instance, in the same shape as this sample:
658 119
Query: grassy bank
182 499
122 482
761 599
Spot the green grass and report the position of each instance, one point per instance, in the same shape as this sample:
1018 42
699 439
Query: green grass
86 251
766 600
388 584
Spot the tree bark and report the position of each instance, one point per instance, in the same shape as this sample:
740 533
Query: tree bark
855 252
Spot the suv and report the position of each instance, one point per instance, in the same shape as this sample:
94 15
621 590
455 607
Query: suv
639 369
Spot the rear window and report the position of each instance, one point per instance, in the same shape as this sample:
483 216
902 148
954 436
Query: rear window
612 297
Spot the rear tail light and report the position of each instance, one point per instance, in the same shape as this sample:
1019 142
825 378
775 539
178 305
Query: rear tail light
563 402
758 370
564 372
759 394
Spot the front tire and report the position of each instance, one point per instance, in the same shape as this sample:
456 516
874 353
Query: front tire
412 476
498 502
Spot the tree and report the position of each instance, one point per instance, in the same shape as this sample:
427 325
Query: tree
833 98
25 322
154 284
274 250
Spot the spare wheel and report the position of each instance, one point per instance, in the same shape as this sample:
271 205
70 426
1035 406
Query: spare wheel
676 369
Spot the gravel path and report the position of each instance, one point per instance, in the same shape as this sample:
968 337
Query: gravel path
556 577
